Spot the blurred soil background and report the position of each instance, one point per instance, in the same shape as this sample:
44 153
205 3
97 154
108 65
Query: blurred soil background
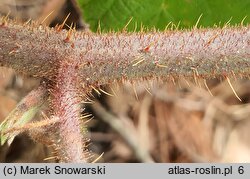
153 121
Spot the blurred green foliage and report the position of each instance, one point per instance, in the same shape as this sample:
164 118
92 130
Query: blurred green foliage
115 14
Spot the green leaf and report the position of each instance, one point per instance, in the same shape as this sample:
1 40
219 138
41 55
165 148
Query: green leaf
213 12
115 14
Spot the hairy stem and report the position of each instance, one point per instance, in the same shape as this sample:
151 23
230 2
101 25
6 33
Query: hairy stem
65 103
206 53
104 58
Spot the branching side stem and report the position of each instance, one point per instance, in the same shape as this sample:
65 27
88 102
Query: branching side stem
66 106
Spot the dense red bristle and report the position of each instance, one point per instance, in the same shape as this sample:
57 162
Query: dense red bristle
66 40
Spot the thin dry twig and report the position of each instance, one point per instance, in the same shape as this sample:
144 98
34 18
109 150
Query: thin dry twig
126 133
